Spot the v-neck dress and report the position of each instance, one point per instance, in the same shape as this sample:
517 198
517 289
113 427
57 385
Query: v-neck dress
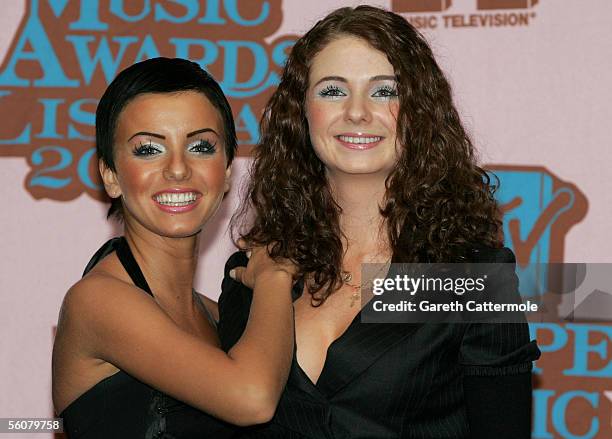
390 380
120 406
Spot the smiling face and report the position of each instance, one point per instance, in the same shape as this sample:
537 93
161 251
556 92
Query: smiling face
351 107
170 163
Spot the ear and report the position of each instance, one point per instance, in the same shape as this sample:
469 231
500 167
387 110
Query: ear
111 184
228 181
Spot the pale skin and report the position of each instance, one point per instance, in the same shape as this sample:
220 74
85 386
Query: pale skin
352 93
168 142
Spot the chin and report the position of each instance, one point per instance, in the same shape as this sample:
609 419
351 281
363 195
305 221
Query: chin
175 229
179 233
363 169
169 226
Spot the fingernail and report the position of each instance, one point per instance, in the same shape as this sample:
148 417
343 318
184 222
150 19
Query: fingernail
232 273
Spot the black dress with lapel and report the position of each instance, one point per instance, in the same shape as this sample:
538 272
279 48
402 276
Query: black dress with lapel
386 380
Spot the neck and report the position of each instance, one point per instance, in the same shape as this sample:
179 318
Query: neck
360 197
168 264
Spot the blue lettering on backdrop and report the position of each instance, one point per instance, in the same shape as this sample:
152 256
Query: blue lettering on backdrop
89 17
246 122
83 169
582 349
65 159
103 55
534 189
148 49
57 6
21 139
117 8
40 177
278 52
533 200
102 52
191 10
212 15
231 7
540 411
559 338
558 413
49 128
560 408
183 46
78 115
582 367
94 51
258 82
42 51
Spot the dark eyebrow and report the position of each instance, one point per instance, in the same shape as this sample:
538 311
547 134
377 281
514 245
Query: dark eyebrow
331 78
372 79
159 136
383 78
203 130
144 133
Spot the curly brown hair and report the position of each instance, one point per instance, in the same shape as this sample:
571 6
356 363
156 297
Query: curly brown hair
438 202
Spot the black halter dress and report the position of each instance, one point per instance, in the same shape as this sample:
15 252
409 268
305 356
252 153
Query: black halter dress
120 406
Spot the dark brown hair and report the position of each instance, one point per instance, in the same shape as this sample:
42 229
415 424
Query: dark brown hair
438 202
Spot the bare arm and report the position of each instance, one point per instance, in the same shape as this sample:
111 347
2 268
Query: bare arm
126 328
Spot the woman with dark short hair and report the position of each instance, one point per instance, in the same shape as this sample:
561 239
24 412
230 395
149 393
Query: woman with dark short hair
363 159
136 353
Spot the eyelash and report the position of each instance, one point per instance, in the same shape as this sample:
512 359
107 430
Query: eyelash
390 92
203 147
331 91
335 91
147 149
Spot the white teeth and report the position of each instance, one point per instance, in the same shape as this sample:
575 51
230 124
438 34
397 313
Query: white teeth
176 199
359 140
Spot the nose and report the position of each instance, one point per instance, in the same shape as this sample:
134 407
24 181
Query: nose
357 109
177 168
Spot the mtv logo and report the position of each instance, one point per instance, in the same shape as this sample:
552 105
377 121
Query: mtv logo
506 4
442 5
539 209
420 5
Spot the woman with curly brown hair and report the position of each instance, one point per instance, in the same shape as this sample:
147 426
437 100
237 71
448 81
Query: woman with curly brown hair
363 159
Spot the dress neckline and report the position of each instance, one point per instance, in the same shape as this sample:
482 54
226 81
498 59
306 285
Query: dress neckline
297 292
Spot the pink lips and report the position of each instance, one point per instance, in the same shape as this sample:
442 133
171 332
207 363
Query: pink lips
178 209
359 146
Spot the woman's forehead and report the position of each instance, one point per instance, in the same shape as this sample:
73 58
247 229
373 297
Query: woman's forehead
349 57
169 109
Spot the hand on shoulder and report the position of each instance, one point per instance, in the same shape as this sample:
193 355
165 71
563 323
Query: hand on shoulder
262 266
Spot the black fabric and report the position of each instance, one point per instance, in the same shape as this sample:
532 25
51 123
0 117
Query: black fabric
130 265
120 406
384 380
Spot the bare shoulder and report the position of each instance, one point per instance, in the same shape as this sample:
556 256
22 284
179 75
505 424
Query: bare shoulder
92 305
98 290
100 301
211 305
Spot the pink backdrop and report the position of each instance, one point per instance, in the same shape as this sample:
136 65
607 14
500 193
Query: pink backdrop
535 94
